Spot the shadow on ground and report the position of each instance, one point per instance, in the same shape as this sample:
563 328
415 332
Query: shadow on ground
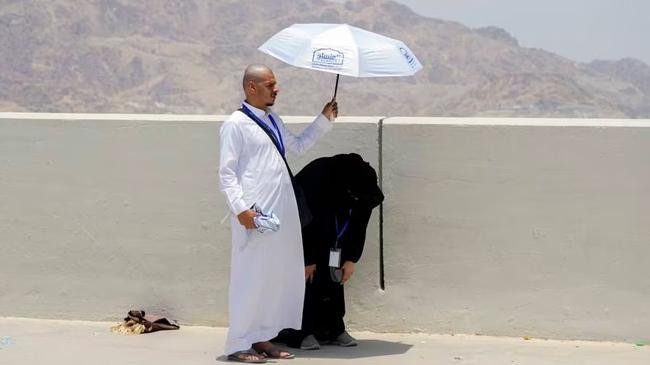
365 349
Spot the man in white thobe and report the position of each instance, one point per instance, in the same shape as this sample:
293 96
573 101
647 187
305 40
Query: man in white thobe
267 272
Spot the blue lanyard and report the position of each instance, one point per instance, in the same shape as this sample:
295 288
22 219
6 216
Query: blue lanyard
279 134
276 133
339 233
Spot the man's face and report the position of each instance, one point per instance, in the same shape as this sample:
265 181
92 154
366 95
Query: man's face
266 90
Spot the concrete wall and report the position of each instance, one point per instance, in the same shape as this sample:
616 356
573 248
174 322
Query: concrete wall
492 226
103 213
517 227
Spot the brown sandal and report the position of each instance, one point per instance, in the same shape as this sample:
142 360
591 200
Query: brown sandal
249 356
275 353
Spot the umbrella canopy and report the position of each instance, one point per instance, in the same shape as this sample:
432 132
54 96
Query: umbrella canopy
342 49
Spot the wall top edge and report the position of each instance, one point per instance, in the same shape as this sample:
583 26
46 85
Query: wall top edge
114 117
164 117
535 122
542 122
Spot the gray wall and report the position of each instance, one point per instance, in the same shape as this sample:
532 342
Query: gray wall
492 226
103 213
518 227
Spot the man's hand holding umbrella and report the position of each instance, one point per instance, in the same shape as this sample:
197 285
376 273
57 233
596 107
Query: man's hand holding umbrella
331 110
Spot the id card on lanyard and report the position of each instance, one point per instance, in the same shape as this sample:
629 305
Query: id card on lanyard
335 253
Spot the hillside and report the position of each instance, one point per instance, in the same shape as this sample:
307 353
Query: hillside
187 56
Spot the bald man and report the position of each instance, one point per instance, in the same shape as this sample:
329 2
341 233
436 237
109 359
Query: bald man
267 272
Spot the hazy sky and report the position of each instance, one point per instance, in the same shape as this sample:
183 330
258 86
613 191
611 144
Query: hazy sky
581 30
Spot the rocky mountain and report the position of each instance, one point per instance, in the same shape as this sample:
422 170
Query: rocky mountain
187 56
632 71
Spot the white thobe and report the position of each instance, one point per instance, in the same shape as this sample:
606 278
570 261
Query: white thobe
267 275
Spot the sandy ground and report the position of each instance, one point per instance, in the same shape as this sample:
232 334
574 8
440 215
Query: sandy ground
35 341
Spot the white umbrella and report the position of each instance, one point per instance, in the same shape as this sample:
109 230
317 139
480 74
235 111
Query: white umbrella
342 49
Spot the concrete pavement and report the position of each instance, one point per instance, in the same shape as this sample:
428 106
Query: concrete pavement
55 342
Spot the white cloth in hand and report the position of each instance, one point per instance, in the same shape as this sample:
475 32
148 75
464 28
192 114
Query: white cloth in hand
265 222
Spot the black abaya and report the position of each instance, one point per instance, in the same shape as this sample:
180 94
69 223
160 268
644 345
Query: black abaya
337 189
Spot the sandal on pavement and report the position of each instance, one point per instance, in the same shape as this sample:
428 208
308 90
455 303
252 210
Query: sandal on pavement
275 353
248 356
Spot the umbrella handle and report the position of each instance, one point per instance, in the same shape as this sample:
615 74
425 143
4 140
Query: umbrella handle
336 87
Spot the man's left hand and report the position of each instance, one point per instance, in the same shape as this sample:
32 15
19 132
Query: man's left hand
348 270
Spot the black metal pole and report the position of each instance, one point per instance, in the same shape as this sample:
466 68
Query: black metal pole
336 87
380 158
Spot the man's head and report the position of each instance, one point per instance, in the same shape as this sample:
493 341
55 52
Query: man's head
260 86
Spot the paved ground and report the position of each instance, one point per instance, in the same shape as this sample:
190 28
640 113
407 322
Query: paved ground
33 342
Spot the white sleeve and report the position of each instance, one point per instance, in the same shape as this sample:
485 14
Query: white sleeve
308 137
231 142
